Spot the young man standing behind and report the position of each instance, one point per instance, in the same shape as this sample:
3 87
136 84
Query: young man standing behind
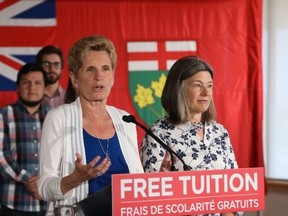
20 132
52 61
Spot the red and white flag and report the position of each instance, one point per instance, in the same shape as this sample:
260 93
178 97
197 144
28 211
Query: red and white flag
148 64
226 33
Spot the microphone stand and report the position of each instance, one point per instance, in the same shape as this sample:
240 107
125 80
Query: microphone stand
131 118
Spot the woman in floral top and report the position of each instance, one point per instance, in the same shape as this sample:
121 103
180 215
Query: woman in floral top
189 127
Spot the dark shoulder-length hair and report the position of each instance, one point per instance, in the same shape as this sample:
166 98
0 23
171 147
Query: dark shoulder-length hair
173 96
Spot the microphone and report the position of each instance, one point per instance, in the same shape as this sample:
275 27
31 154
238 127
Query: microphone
131 118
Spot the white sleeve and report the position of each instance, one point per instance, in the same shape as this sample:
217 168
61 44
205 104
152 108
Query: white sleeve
50 157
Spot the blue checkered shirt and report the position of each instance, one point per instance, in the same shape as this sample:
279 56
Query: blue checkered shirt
19 145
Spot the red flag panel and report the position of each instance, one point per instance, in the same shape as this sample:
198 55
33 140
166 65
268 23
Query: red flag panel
228 35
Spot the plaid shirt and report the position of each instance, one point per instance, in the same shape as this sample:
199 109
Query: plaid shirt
19 145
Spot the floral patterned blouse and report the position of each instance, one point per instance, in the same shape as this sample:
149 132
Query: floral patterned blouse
214 151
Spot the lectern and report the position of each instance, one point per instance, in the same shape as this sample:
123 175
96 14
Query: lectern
99 203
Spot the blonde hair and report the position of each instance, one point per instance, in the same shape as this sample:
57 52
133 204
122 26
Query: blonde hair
94 43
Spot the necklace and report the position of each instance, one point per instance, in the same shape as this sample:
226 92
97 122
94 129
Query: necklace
106 153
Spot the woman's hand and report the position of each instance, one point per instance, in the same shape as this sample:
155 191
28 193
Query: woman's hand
83 172
86 172
166 163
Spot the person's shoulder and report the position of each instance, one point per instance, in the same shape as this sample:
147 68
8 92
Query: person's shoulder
5 109
216 125
2 109
161 123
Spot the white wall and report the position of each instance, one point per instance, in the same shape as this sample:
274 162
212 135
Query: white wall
275 65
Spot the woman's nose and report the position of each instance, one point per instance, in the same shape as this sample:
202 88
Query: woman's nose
97 75
204 90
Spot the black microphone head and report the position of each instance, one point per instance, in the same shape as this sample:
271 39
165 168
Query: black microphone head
129 118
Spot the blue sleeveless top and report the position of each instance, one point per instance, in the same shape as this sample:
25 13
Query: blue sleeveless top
118 163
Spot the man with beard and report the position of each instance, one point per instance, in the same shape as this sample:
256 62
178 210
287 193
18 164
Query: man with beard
52 61
20 132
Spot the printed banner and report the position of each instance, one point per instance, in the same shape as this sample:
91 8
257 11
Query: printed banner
188 192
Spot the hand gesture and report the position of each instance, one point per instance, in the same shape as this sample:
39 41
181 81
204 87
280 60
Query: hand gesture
89 171
84 173
32 186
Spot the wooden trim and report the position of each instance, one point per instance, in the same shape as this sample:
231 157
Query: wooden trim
277 183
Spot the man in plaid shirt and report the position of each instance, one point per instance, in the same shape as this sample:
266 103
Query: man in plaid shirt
20 132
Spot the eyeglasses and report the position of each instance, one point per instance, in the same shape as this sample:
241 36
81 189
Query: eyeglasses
47 64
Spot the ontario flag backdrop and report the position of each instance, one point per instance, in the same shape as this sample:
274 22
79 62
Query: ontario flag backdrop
149 36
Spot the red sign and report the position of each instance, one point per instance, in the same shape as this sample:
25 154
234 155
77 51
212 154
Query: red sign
188 192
